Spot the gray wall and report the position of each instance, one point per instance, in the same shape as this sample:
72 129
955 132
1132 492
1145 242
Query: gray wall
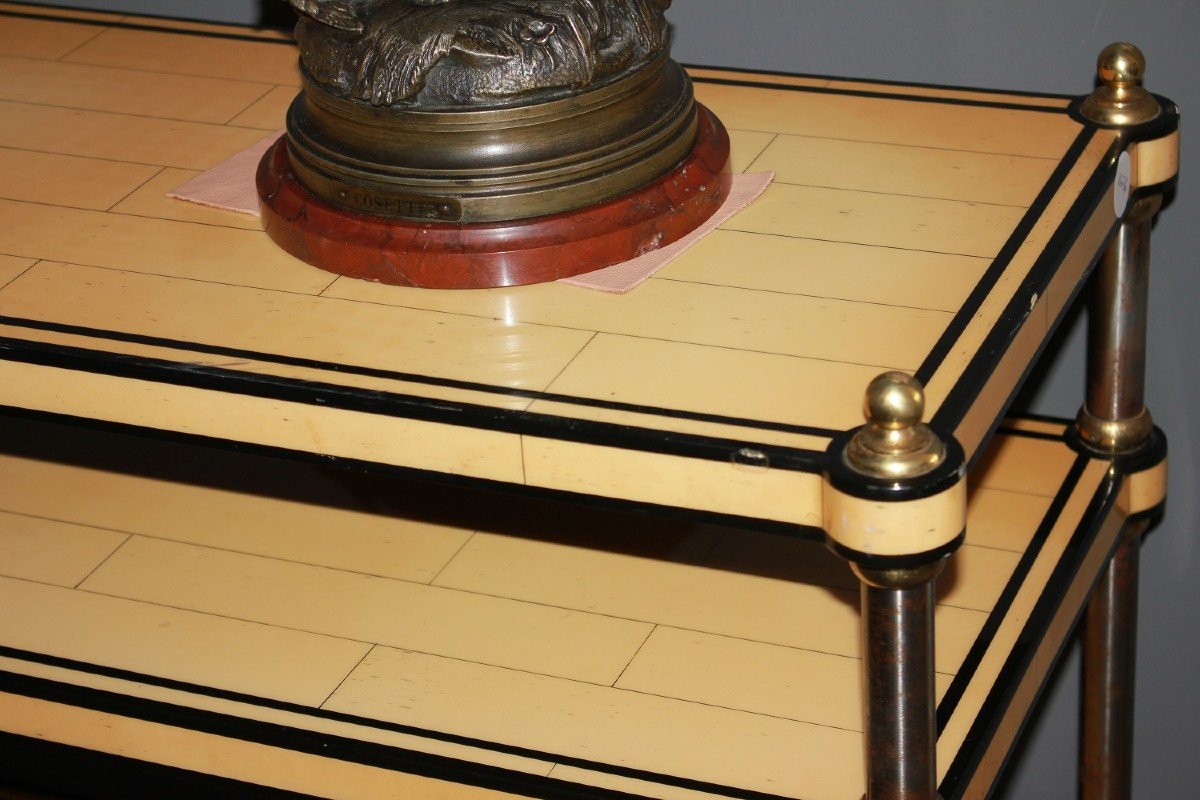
1043 46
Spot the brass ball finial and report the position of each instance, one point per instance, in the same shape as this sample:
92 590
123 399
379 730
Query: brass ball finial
1120 99
894 443
1121 64
894 401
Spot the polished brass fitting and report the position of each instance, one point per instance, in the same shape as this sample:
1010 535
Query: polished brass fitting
1120 99
905 578
894 443
1114 436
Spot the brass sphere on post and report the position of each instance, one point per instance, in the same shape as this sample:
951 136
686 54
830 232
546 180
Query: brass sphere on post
1120 99
894 443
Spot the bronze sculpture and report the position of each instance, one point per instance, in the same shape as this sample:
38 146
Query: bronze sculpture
516 140
450 53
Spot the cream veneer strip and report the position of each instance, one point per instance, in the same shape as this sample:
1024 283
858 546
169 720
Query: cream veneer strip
297 719
175 644
1031 589
202 56
303 532
837 270
125 91
68 181
772 608
365 608
622 728
909 171
120 137
301 427
49 551
45 39
718 316
899 121
491 352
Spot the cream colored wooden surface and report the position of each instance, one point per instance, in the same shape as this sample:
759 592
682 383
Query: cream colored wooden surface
889 204
594 635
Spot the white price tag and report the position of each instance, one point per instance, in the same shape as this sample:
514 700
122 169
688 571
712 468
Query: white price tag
1122 187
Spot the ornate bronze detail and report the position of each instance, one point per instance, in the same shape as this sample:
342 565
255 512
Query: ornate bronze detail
481 111
453 53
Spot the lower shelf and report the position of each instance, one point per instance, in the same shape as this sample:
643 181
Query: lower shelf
171 612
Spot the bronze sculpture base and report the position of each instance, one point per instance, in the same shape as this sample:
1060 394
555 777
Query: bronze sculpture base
448 255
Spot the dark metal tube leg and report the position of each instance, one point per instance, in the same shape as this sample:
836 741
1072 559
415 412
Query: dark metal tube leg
1114 417
901 729
1117 335
1109 645
1114 420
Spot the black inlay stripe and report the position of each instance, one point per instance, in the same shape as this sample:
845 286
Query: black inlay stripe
141 26
1001 263
1049 437
962 396
983 729
724 81
769 73
322 744
915 98
408 377
67 771
1030 365
403 406
761 525
987 634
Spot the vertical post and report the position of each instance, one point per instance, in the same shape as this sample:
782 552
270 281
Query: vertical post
901 726
895 507
1113 422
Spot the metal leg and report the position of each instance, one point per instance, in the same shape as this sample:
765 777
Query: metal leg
1109 644
1114 421
1114 418
895 507
901 729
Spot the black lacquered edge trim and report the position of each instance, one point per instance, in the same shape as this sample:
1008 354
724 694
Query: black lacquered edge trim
979 648
996 344
775 527
1000 263
846 479
1152 189
768 73
1028 370
1048 437
1151 516
80 774
912 98
1166 123
908 561
395 375
141 26
962 768
402 406
338 747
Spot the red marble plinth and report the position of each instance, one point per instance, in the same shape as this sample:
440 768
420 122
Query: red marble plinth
449 256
